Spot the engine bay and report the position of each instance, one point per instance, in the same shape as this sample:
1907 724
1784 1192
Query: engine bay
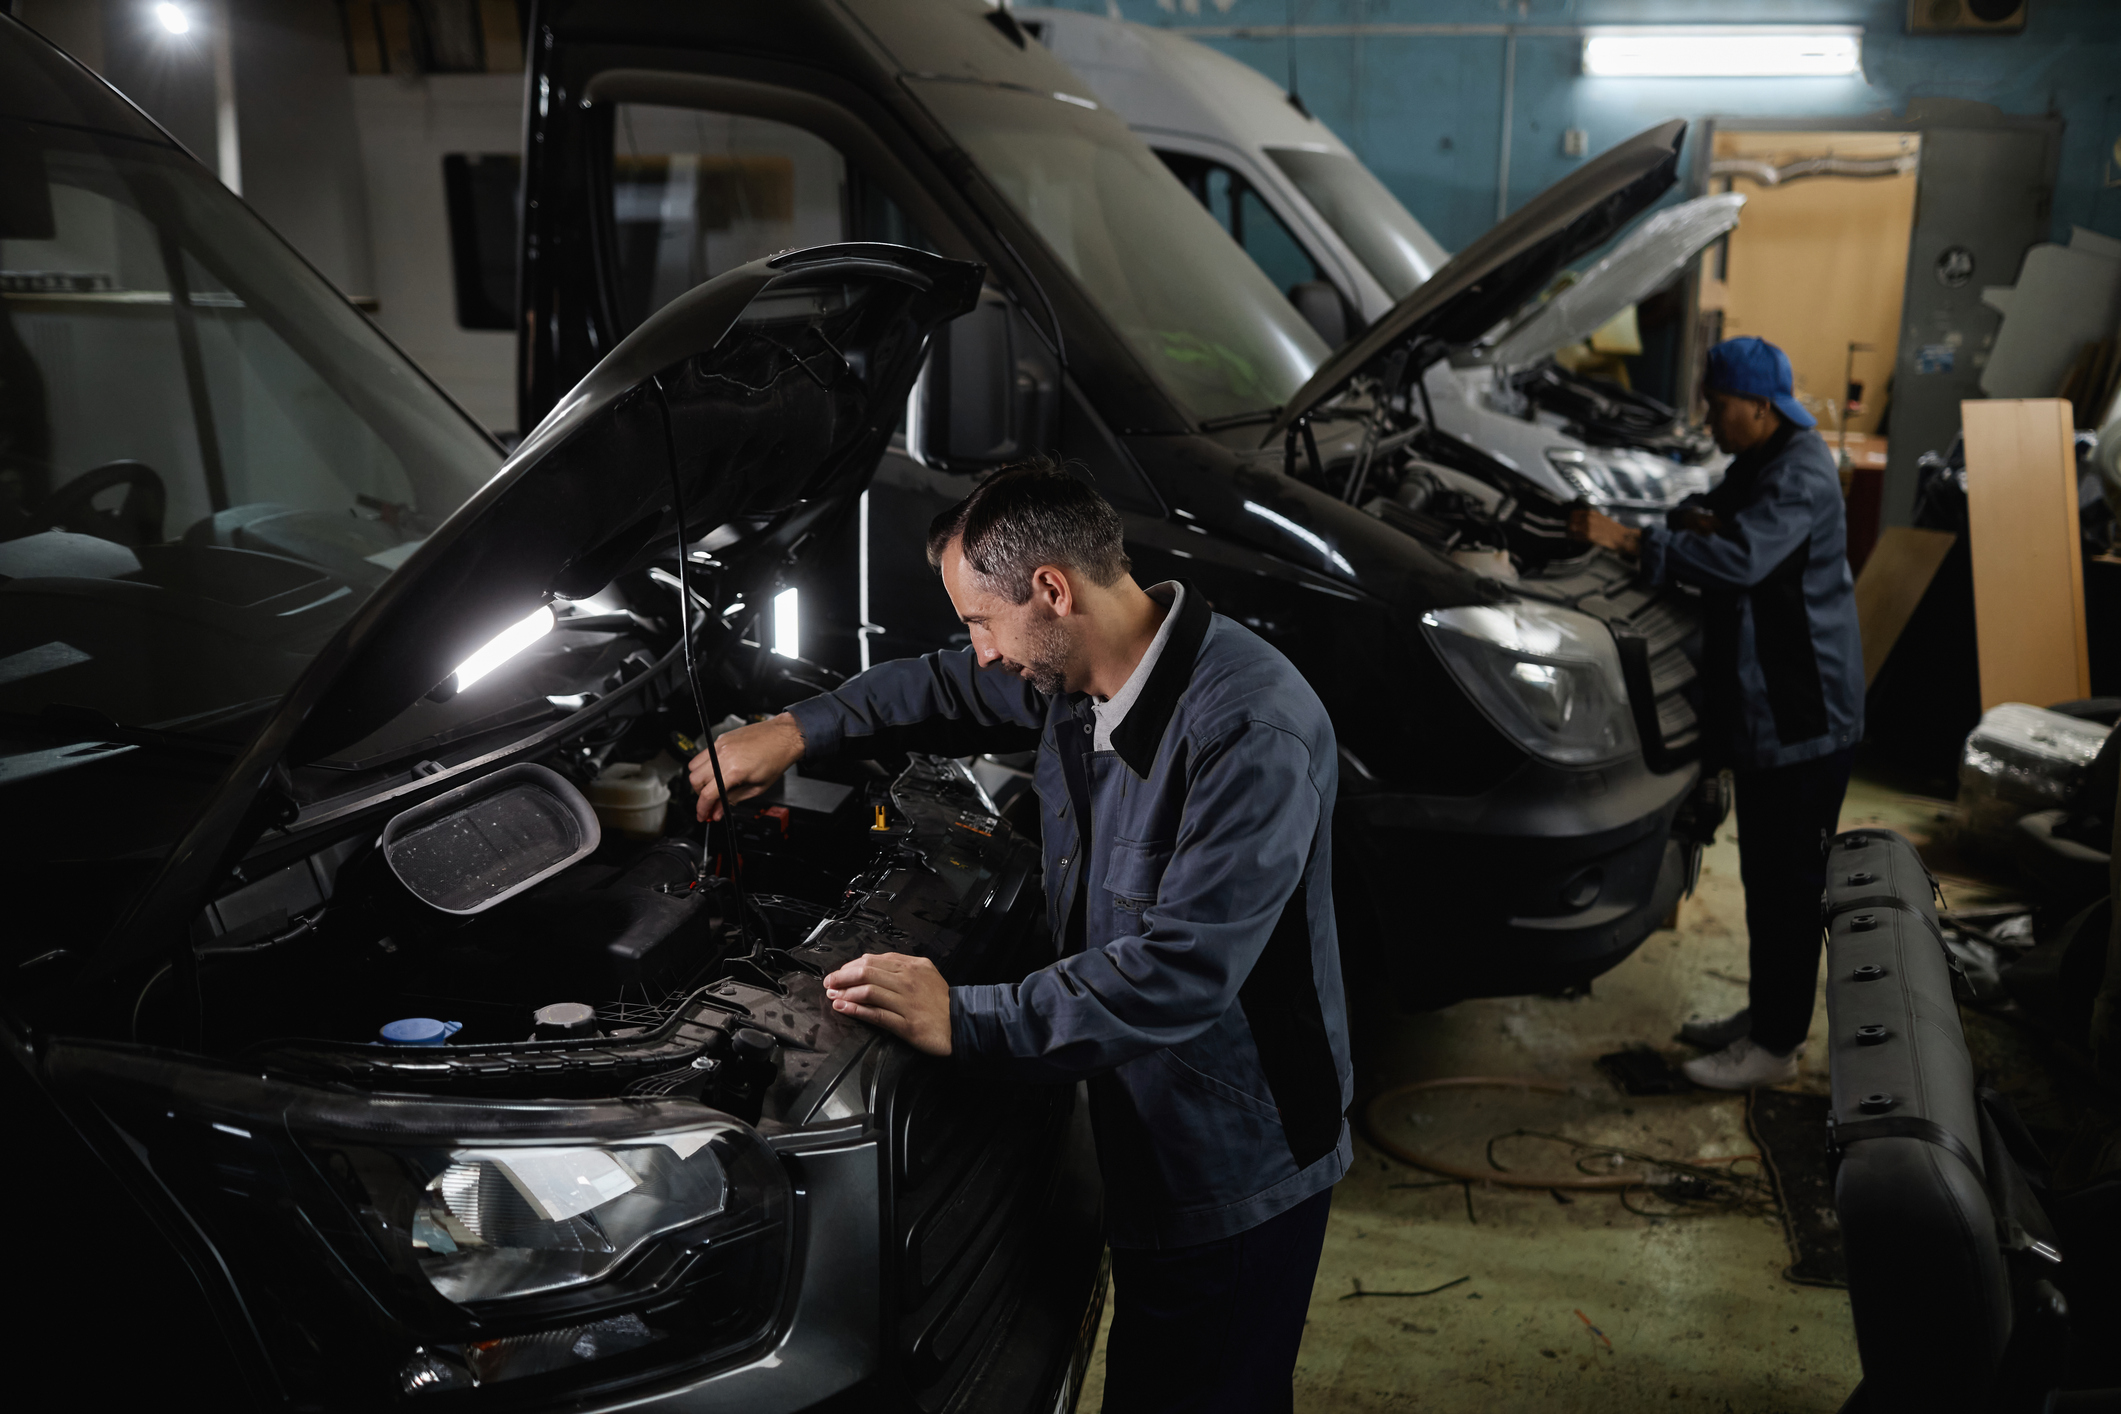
1403 467
1399 465
506 938
1605 414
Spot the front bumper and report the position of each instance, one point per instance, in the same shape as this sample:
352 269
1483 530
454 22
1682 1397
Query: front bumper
1542 883
1023 1320
836 1349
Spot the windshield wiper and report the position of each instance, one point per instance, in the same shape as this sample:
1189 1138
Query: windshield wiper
88 736
1250 419
1240 419
89 723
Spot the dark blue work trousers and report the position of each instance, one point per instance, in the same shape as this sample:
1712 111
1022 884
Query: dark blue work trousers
1214 1329
1786 815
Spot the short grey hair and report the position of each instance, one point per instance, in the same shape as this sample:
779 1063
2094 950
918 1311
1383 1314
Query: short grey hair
1029 515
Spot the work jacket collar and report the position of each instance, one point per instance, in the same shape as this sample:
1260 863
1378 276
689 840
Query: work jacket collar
1753 458
1141 731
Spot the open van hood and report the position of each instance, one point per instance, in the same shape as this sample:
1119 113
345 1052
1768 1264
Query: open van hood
1494 277
1653 252
777 384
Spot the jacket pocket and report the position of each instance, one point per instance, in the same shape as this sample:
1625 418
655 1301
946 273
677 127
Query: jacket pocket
1220 1089
1134 870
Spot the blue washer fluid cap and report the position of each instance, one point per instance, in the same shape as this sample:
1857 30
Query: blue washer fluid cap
420 1031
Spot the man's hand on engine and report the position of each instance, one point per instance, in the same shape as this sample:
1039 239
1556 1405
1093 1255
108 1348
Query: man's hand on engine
1597 528
753 758
904 995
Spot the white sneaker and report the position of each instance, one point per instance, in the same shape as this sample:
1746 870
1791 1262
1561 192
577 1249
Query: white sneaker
1742 1065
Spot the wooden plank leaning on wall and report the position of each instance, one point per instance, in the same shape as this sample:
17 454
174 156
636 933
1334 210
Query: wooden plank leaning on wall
2021 493
1890 586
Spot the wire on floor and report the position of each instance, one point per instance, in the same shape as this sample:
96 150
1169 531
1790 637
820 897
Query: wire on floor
1695 1187
1429 1291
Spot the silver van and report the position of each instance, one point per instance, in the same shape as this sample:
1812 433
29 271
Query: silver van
1345 250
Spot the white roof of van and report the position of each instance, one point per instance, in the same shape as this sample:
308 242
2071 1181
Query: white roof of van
1164 81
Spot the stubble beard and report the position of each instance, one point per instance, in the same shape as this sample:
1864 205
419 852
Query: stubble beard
1046 657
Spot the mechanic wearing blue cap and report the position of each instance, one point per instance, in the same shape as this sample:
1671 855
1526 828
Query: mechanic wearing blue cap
1782 683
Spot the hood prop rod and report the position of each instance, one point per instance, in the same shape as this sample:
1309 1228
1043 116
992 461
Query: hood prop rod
1301 428
692 676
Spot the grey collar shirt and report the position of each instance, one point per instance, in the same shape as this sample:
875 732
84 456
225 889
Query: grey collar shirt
1111 711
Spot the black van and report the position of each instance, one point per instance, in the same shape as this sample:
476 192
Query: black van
343 1037
356 1051
1519 746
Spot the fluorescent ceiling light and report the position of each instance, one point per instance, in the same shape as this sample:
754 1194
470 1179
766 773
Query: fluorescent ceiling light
173 18
505 645
1723 52
787 624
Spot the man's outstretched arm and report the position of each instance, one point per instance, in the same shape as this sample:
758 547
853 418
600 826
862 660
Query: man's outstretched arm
943 702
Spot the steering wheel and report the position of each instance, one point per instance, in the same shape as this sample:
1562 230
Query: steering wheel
137 521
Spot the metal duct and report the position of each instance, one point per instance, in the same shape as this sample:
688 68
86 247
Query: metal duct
1769 175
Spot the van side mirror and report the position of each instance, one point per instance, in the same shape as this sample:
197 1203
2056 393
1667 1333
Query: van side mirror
989 392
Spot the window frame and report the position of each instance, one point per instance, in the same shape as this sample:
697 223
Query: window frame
1241 186
466 257
1335 263
859 147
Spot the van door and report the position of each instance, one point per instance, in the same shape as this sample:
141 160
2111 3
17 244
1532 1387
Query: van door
697 191
696 184
694 193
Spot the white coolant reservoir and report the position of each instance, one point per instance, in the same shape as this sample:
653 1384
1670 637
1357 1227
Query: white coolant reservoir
630 797
1495 564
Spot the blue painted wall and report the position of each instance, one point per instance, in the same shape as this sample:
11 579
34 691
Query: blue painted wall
1425 111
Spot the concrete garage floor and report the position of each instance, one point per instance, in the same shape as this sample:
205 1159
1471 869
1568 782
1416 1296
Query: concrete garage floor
1695 1308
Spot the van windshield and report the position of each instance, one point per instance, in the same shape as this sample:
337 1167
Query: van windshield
208 460
1383 234
1192 305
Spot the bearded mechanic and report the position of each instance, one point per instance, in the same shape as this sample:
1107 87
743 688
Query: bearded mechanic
1186 774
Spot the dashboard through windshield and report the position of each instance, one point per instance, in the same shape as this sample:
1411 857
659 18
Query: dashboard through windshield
208 460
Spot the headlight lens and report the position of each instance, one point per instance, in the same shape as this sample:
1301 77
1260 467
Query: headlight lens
1632 485
386 1246
1580 474
498 1224
1549 677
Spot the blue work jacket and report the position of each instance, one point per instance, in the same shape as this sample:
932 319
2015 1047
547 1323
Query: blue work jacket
1198 985
1782 660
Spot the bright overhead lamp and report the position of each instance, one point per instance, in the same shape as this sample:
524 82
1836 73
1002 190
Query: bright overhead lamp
173 18
1724 52
503 646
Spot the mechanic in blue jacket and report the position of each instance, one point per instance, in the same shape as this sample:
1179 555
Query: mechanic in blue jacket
1781 684
1186 776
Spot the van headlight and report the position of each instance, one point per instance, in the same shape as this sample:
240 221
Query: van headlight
389 1246
1581 474
500 1223
1548 677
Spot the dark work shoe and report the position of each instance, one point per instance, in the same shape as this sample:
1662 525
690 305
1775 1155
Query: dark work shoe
1715 1035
